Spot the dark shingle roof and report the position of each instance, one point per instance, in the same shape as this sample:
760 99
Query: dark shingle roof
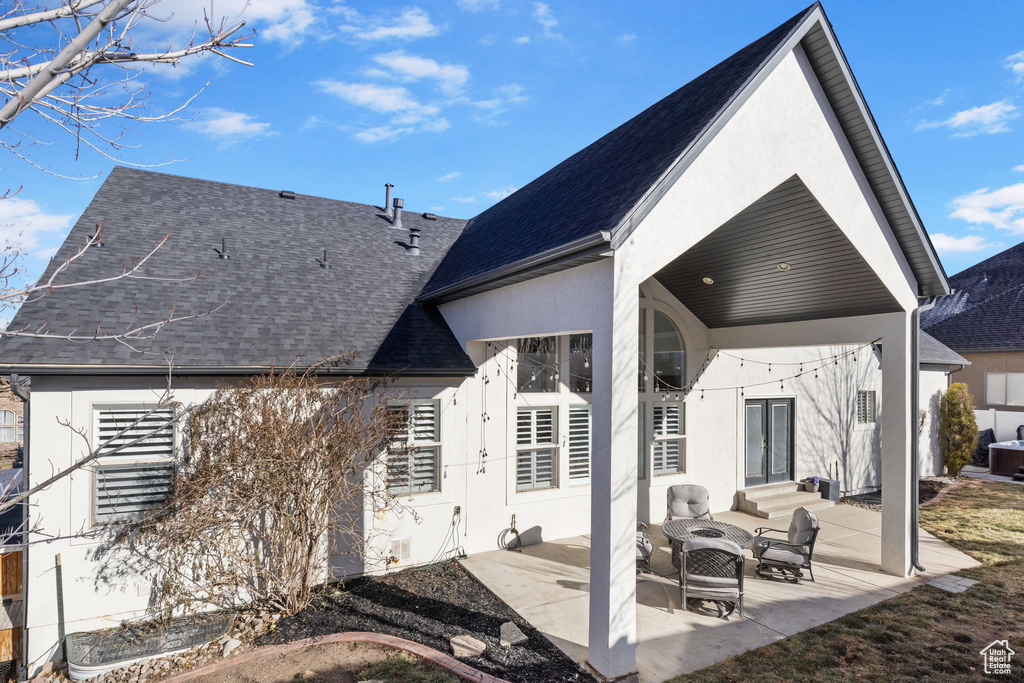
594 189
931 350
277 305
986 312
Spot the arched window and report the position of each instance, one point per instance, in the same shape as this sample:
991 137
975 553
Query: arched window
10 426
662 376
669 354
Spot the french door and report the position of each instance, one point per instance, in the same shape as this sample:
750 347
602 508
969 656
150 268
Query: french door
769 441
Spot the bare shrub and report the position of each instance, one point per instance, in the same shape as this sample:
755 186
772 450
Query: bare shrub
273 483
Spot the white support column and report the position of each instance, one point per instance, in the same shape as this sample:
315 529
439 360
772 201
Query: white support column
898 428
612 636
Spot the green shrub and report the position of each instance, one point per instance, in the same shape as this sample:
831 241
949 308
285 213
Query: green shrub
958 430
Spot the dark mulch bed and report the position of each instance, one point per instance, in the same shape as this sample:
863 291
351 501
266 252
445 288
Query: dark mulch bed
927 489
429 605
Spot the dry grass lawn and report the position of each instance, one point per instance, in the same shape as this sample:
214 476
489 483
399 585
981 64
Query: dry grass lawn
925 633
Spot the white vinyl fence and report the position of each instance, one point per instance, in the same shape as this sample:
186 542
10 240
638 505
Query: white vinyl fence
1003 422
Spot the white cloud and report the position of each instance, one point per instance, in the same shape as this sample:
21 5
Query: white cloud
546 18
988 118
477 5
627 38
1001 208
226 126
285 21
450 77
464 200
380 98
1015 63
23 223
412 23
1019 168
501 192
950 244
522 40
503 98
448 177
381 133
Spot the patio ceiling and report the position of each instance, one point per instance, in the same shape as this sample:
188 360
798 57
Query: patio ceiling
826 276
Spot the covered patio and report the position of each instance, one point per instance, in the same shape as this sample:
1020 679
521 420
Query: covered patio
549 585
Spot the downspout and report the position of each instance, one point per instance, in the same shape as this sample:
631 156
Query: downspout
915 442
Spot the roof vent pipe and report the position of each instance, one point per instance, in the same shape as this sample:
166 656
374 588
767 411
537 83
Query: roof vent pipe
223 253
396 219
325 263
387 199
414 240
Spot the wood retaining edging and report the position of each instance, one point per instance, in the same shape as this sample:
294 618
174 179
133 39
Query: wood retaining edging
433 656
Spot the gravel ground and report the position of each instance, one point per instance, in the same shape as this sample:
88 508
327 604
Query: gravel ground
928 488
429 605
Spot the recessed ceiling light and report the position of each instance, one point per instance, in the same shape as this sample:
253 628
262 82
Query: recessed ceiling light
707 281
784 266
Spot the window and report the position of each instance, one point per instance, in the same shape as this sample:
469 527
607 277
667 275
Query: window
669 356
579 443
581 372
537 369
641 443
536 456
414 460
865 407
1004 388
641 379
11 426
133 476
668 446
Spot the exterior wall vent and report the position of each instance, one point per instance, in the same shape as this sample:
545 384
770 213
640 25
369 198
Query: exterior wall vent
401 550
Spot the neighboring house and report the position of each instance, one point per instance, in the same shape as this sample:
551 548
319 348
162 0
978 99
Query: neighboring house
938 364
983 320
12 426
634 318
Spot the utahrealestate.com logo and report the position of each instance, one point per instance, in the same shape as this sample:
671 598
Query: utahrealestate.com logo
996 657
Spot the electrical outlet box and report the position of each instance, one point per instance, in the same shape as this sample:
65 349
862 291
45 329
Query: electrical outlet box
458 509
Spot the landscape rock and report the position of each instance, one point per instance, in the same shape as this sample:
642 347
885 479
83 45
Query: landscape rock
511 635
230 647
467 646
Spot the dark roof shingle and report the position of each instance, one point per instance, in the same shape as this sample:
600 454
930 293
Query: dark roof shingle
271 302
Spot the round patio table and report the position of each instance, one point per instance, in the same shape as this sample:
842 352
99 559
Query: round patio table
679 530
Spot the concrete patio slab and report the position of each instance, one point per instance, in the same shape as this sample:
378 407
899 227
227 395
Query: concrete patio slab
548 584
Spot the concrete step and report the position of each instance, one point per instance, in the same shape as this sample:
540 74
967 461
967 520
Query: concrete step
777 501
786 511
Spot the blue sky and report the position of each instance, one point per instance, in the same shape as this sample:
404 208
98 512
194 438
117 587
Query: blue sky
459 102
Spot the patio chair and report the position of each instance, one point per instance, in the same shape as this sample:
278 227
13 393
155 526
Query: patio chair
689 501
644 549
786 559
711 569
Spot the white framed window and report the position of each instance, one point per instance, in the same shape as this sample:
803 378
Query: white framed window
866 411
641 445
414 462
11 426
133 476
581 370
668 445
537 365
536 448
1004 388
579 443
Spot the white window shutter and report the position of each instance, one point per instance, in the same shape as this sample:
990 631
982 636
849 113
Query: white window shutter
579 442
